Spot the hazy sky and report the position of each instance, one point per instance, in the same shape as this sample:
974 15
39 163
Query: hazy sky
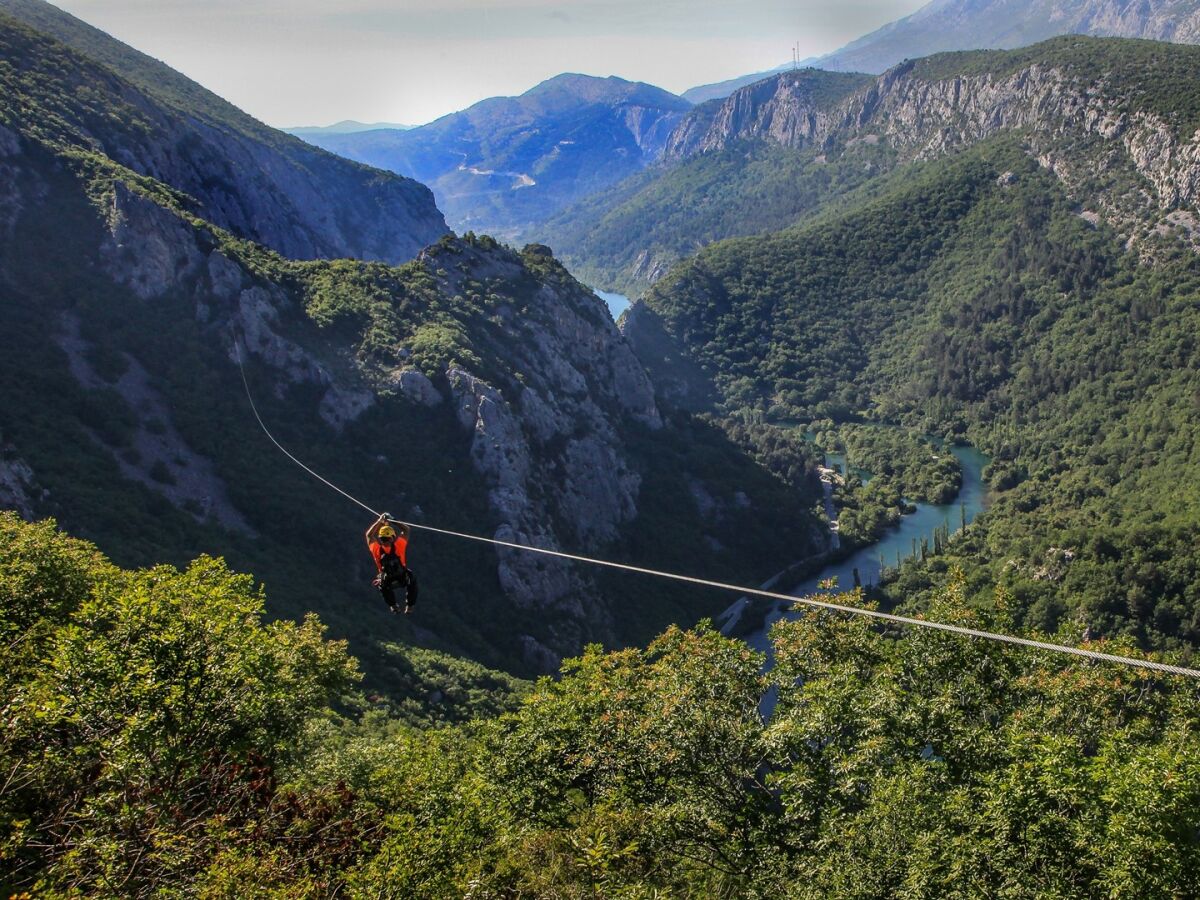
304 62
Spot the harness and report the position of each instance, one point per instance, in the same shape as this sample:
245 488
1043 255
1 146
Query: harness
391 566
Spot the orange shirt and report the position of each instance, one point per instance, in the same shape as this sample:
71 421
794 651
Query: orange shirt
399 548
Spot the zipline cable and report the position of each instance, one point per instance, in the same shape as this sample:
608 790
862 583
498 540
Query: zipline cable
755 592
246 384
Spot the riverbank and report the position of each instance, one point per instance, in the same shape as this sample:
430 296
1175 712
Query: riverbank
864 566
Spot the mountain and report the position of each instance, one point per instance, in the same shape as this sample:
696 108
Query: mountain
1021 274
944 25
238 174
730 167
771 154
476 388
1005 24
996 248
509 161
346 126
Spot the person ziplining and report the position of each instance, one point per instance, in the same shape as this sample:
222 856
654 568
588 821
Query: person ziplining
389 549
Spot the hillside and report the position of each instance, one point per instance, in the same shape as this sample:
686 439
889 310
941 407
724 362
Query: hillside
973 300
710 184
254 181
476 388
507 162
1113 119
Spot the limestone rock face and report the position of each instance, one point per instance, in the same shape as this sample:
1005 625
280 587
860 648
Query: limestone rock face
650 267
547 435
417 387
778 109
924 117
148 248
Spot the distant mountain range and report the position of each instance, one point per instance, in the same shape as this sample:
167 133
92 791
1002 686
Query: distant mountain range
781 150
346 126
508 162
989 25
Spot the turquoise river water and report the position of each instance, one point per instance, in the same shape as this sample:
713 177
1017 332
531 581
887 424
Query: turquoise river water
972 499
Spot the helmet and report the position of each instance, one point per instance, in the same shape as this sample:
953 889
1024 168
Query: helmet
387 531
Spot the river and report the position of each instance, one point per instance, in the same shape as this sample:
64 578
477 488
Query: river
972 499
617 303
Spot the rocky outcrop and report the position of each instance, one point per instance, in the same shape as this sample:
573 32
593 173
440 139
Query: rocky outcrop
17 487
550 442
925 116
416 387
651 266
147 248
651 127
782 109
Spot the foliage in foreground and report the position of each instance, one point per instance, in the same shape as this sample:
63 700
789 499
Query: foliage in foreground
162 741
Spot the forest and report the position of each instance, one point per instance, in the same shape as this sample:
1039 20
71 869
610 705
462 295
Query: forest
164 740
992 314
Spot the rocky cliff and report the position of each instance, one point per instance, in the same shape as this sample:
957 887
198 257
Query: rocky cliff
791 108
76 86
1081 106
476 388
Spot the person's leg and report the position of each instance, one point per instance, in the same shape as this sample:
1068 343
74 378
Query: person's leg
410 589
389 593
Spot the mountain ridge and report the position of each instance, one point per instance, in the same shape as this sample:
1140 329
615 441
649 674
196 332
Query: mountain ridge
1093 117
949 25
507 161
257 182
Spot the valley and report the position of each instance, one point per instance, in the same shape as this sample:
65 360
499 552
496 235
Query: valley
913 331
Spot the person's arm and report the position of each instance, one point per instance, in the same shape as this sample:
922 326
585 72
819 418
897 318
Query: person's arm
402 530
373 531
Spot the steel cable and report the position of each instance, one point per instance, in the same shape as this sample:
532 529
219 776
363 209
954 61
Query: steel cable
1083 652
